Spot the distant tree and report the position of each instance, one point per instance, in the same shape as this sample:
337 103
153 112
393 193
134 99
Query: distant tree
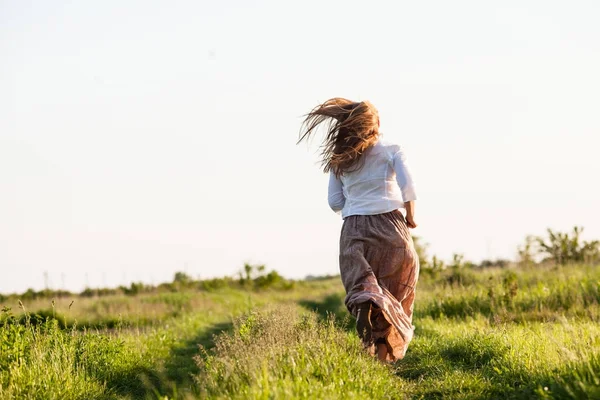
248 269
434 268
526 253
182 277
500 262
591 252
270 279
135 288
565 248
250 272
437 264
457 260
255 277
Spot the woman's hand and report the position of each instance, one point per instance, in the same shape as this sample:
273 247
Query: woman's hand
410 214
410 222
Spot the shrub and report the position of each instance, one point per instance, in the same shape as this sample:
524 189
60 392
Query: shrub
563 248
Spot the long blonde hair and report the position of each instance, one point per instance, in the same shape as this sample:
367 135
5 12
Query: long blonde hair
353 128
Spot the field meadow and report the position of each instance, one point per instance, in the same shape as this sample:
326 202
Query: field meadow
481 333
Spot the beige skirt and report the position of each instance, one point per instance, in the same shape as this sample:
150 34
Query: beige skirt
378 263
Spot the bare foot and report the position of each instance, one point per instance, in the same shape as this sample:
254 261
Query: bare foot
382 352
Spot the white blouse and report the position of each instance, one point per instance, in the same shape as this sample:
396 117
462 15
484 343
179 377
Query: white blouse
381 185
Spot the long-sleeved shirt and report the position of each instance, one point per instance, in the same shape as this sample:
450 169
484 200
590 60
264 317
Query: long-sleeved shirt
381 185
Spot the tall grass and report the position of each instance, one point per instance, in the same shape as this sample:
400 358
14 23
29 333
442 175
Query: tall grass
285 354
473 359
541 294
44 357
492 333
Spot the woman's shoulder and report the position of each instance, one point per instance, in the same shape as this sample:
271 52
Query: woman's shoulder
390 147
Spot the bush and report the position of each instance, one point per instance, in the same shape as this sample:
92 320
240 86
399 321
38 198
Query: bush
563 248
460 277
216 283
136 288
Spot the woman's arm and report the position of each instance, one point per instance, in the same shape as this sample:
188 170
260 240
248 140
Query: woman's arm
335 195
410 214
407 186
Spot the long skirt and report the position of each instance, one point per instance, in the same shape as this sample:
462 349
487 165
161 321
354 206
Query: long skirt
378 263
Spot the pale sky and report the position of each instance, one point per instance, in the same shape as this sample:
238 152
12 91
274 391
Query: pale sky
140 138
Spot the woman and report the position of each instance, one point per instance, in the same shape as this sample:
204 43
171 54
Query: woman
369 182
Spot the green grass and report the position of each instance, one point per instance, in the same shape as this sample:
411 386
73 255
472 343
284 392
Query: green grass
288 353
480 334
471 359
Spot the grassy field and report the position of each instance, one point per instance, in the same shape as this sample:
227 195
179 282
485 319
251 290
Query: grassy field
491 333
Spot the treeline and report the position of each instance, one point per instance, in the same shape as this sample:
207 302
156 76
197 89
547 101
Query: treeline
251 277
558 248
555 248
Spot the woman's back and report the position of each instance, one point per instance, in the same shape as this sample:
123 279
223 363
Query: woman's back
382 183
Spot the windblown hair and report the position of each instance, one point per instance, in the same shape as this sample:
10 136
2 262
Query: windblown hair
352 128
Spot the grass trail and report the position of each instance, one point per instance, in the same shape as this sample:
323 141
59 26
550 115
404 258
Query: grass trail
290 354
480 334
57 359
